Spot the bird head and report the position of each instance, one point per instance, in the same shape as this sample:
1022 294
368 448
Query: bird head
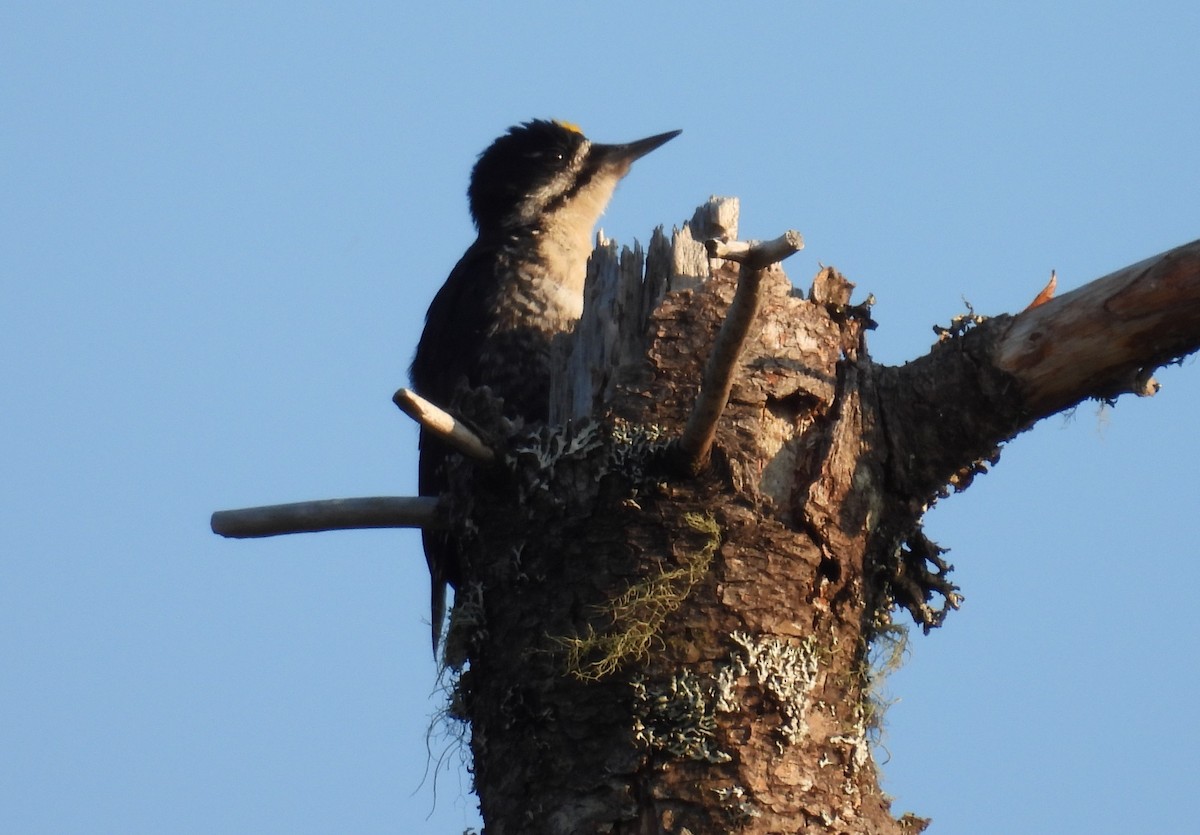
540 169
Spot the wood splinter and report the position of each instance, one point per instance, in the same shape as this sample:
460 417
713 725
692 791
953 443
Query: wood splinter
1047 292
695 444
444 425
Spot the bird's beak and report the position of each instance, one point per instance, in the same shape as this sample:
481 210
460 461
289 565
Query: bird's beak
622 156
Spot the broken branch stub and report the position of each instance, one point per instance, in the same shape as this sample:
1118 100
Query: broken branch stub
756 255
326 515
443 424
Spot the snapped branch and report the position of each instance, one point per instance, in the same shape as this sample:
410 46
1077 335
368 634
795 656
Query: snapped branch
1105 338
948 411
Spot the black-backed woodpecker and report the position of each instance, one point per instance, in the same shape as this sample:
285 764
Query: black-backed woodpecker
536 194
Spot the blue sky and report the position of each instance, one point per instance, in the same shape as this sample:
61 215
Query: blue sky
220 225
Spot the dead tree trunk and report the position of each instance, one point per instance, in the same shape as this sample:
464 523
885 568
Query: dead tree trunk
647 649
665 629
643 648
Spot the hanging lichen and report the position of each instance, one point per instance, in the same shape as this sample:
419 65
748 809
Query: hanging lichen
637 615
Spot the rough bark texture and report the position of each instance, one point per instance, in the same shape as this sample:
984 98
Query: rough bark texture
641 651
649 653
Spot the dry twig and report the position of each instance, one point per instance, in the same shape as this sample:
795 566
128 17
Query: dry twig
326 515
695 444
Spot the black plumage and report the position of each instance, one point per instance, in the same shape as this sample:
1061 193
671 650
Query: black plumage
535 196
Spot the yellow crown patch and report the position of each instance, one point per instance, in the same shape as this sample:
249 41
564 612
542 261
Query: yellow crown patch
571 126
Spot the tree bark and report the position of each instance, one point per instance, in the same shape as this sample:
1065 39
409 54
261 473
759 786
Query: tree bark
640 649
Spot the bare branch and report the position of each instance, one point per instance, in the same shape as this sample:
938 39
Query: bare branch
695 444
1105 338
989 379
327 515
443 424
756 255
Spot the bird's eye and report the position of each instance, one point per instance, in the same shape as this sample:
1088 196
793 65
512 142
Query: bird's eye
549 156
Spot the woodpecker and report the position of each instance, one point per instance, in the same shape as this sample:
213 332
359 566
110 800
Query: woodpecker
535 196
